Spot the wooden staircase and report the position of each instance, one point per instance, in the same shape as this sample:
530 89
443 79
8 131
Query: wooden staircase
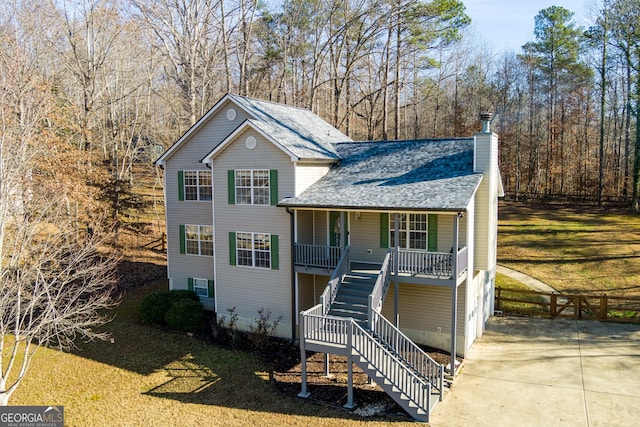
348 322
353 295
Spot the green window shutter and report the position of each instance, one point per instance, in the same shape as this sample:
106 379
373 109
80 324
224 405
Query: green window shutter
273 186
275 259
232 248
181 186
384 230
183 240
231 186
190 283
432 233
210 285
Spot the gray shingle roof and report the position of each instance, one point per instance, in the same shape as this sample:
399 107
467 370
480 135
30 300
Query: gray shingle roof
299 131
422 174
302 133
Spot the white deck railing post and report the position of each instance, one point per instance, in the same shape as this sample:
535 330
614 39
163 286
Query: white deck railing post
303 359
349 404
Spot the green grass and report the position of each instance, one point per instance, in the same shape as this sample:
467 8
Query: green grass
153 376
528 303
590 251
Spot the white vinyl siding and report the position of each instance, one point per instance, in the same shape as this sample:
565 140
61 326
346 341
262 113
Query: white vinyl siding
187 158
486 197
305 227
424 309
308 174
249 289
310 287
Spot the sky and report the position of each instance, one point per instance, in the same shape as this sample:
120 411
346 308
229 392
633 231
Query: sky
508 24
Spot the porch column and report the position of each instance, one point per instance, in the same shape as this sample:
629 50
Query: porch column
454 292
350 404
326 365
343 231
456 247
294 275
303 361
396 259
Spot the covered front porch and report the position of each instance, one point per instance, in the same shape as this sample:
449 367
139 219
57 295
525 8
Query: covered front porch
410 250
418 264
427 248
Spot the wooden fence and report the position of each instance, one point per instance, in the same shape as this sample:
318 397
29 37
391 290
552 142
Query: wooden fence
157 244
554 305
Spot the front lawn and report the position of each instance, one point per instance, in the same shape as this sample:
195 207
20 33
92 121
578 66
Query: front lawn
586 251
152 376
527 303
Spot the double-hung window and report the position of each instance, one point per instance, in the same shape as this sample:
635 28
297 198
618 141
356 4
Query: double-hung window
253 249
198 240
201 287
413 230
195 185
252 186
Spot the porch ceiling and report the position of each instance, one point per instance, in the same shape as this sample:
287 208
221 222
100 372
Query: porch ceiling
422 174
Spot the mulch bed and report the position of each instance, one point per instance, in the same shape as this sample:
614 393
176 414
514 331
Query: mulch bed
369 398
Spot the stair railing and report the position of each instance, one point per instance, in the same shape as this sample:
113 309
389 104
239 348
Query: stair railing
379 291
408 351
331 290
416 388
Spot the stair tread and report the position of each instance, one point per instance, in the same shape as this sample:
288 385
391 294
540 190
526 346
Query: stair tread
361 305
348 313
351 301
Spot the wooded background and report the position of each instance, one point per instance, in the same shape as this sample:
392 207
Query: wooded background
108 84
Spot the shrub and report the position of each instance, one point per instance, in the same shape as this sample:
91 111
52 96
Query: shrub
156 305
185 315
180 294
264 328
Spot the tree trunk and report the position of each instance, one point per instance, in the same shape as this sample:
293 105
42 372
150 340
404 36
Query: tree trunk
603 106
635 205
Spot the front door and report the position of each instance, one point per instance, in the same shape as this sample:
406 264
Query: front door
334 228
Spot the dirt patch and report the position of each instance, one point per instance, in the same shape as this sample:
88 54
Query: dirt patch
369 398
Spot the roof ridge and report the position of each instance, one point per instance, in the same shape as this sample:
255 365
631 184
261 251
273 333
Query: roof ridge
399 141
266 101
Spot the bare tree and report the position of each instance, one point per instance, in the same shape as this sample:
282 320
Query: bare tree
54 284
186 35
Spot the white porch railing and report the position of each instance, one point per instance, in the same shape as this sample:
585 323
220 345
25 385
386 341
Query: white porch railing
408 351
331 290
439 264
320 256
376 297
379 358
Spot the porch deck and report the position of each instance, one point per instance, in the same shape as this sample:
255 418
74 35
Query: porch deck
418 264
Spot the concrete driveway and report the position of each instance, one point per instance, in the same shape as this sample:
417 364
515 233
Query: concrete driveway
542 372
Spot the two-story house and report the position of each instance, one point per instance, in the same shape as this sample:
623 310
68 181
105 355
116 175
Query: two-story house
393 242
